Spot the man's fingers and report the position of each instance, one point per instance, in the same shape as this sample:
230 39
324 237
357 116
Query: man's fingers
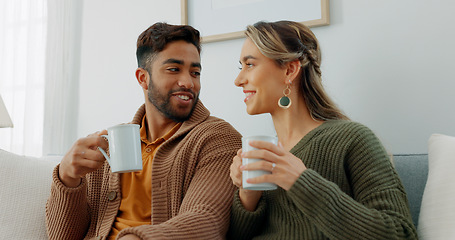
93 142
102 132
92 154
88 165
102 143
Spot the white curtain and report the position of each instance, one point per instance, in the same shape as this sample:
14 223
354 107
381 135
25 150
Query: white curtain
62 75
22 60
39 71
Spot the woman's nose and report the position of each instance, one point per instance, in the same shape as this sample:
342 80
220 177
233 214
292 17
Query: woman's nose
239 80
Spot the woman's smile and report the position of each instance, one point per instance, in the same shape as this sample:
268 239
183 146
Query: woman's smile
248 95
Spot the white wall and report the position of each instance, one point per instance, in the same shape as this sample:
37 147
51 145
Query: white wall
388 64
109 92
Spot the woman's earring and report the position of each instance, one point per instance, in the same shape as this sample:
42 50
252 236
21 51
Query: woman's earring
285 102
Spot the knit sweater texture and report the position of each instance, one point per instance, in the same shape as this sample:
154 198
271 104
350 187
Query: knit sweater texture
350 190
191 188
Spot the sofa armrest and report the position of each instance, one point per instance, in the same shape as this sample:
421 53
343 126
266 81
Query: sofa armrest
24 188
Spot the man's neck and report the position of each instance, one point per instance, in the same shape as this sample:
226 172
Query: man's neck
157 124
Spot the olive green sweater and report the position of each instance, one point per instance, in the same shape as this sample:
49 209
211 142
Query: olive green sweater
349 191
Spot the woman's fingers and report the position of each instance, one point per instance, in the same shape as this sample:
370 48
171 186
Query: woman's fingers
262 154
258 165
267 146
283 170
235 172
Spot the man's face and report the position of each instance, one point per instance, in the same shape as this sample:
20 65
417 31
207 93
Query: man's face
175 80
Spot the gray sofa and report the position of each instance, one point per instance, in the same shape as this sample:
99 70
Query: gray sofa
413 171
34 176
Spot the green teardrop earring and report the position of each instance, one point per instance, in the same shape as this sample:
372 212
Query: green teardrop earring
285 102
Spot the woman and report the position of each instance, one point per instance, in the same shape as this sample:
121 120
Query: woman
335 178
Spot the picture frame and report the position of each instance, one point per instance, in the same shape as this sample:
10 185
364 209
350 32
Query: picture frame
232 16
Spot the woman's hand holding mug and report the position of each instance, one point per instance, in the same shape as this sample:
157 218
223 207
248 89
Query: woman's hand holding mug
284 167
261 165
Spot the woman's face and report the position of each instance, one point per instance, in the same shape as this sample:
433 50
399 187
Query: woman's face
262 80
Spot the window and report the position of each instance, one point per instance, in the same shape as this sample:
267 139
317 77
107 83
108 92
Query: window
23 26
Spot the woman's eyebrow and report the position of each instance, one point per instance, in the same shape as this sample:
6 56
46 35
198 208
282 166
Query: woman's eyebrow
246 58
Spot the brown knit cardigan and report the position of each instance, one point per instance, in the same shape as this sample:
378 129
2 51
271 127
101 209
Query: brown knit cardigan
191 188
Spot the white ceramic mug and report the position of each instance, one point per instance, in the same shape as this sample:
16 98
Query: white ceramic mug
124 148
252 174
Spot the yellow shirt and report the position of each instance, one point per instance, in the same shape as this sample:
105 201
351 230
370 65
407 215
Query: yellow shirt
135 206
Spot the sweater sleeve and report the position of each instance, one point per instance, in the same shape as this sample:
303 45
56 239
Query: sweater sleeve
245 224
378 207
205 209
67 214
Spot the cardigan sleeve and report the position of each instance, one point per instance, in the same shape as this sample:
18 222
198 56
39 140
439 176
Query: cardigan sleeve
378 207
205 208
67 213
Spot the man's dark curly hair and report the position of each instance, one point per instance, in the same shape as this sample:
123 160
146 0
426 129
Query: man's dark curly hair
156 37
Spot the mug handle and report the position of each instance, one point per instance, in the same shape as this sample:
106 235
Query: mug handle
103 152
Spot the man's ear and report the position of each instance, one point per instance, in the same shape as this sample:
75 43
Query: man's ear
293 70
142 77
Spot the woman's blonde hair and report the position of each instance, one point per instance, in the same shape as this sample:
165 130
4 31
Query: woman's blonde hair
287 41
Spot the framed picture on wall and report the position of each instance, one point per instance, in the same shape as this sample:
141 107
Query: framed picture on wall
219 20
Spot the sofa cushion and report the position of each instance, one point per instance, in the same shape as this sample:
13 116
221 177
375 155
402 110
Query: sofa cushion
413 172
437 213
24 188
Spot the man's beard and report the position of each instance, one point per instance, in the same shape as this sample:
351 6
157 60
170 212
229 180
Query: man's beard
163 104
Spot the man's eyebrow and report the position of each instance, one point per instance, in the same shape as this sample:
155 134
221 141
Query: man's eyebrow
196 64
173 60
181 62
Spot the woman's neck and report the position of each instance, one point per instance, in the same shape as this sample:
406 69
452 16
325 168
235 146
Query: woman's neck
293 124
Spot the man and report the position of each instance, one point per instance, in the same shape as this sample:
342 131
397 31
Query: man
184 190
